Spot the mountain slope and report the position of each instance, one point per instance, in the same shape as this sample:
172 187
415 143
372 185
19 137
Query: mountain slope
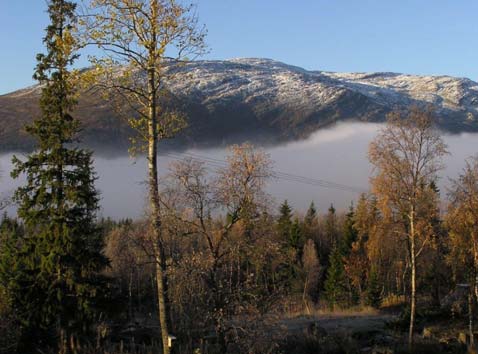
261 99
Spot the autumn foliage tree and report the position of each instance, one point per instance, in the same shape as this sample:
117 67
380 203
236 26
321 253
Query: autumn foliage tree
138 39
312 269
462 222
407 155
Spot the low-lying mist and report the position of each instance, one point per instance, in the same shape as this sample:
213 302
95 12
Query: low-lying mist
334 160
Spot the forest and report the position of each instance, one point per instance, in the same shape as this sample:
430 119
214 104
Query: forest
217 265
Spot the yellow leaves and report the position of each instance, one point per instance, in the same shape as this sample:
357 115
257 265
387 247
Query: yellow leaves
135 36
170 123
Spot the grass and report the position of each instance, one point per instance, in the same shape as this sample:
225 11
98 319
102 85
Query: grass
325 311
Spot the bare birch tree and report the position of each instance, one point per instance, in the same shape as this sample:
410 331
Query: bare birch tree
193 198
141 40
407 155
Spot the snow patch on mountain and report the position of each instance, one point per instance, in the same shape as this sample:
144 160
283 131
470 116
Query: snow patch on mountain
278 85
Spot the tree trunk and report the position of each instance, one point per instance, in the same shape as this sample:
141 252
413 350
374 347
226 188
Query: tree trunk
475 261
470 319
155 209
413 284
304 295
161 299
130 295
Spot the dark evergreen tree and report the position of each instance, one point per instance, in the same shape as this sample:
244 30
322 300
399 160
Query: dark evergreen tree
329 236
296 238
350 233
284 223
374 290
59 257
310 224
336 289
311 215
331 231
9 326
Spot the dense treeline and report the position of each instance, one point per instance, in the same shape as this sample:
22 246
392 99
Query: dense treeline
233 258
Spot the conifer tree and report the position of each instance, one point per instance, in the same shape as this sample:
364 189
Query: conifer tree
336 282
296 239
329 237
9 334
310 215
374 291
59 257
331 226
284 223
310 224
350 233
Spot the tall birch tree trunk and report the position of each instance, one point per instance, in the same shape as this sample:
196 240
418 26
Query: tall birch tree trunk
413 299
137 34
155 208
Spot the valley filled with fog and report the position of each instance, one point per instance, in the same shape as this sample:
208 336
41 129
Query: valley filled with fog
329 167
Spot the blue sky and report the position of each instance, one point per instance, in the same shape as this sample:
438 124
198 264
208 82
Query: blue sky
411 36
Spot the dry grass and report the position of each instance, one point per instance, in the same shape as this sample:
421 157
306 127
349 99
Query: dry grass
393 301
324 311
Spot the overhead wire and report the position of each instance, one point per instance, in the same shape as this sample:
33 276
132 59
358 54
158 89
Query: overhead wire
284 176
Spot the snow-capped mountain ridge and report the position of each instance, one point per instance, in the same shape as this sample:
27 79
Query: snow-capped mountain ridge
252 74
257 98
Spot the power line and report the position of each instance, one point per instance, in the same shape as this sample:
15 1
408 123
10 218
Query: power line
285 176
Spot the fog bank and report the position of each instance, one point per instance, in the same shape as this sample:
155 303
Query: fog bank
335 155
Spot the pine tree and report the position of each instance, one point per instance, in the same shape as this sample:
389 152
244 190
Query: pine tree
336 291
60 255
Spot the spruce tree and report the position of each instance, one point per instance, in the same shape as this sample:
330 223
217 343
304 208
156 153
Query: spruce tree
310 215
336 291
310 223
350 233
60 256
374 290
296 238
284 223
331 231
329 236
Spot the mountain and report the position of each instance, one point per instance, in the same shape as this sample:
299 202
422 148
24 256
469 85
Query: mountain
261 99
